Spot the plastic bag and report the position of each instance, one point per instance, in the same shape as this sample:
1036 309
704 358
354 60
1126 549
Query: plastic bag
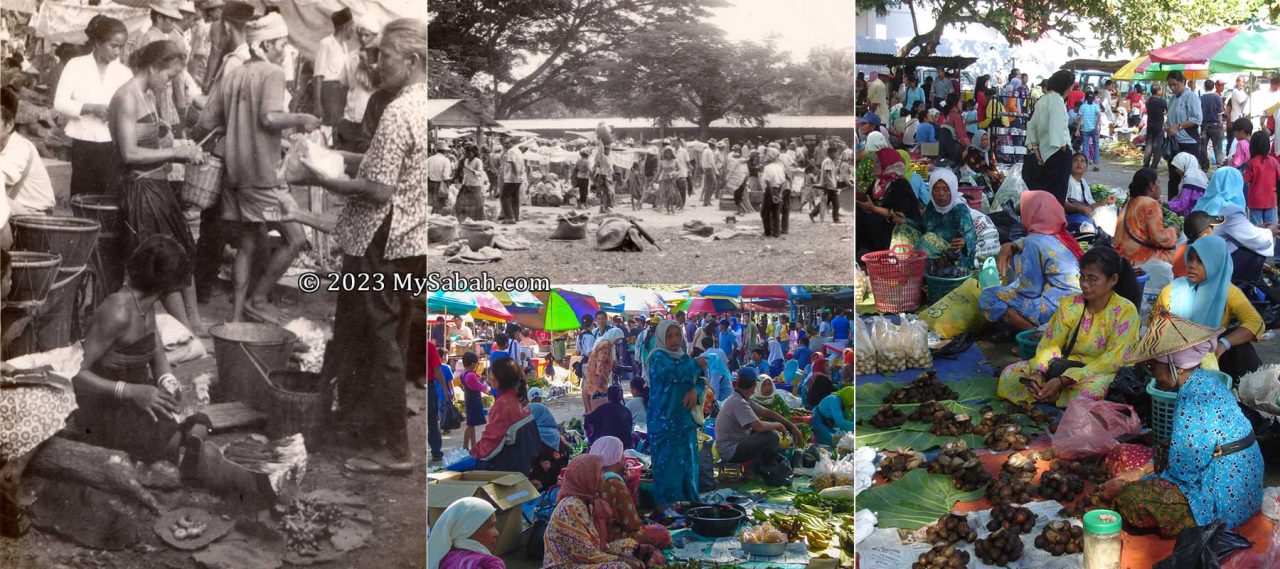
1010 192
861 286
1271 504
864 350
890 357
1203 547
915 342
1105 218
1090 428
988 236
310 148
1259 390
847 442
957 312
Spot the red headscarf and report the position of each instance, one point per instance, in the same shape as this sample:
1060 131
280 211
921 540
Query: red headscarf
1041 213
890 168
819 364
584 478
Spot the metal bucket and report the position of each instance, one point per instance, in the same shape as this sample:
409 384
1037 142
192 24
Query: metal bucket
202 183
236 346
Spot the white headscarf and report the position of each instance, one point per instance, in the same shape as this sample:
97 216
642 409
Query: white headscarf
946 175
609 337
660 340
455 527
875 141
775 350
1191 172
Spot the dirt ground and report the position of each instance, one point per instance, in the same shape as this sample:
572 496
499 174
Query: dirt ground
811 253
397 502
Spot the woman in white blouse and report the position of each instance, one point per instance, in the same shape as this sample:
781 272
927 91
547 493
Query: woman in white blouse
84 91
1048 163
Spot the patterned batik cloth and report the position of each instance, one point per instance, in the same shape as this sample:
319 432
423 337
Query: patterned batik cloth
1155 504
1104 340
1125 457
29 415
1047 272
672 432
572 542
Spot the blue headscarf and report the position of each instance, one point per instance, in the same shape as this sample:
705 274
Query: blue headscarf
918 187
1205 302
790 371
1226 190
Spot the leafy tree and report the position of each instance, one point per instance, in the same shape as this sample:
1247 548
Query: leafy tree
679 70
1128 26
824 84
564 37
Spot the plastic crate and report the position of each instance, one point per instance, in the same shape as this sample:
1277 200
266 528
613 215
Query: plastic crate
1164 403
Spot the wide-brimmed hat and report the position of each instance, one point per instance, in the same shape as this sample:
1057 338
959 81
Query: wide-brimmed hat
1169 334
168 8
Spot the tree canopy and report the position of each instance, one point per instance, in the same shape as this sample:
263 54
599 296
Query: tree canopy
1128 26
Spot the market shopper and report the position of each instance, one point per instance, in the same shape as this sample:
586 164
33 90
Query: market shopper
1086 339
1157 107
146 148
676 387
1048 165
328 91
610 419
84 91
1184 122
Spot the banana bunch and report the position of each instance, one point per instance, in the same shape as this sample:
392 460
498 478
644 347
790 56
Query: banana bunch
808 524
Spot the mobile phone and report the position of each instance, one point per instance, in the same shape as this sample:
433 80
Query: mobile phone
1030 383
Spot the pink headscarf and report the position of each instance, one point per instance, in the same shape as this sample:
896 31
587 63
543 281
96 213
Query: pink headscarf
1190 357
609 449
1041 213
583 478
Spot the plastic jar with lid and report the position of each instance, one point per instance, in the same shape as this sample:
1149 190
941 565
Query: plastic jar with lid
1102 544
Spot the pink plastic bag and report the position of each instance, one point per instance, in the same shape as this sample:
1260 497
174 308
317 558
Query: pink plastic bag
1249 559
1090 428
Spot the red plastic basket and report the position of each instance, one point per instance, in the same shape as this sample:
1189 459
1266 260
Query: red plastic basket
897 277
973 196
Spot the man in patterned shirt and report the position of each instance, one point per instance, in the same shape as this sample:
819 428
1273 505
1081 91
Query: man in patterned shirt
383 230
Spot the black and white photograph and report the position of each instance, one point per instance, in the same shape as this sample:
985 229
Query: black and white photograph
616 141
211 357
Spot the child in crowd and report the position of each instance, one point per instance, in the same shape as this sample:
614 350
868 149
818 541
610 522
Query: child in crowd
472 387
1241 128
1261 174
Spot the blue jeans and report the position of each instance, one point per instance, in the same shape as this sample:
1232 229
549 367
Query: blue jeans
1262 216
1089 144
434 439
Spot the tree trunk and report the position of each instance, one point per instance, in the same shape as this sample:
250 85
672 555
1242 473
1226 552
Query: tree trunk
927 42
105 469
915 22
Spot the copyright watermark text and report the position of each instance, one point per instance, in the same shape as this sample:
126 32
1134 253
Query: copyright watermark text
413 284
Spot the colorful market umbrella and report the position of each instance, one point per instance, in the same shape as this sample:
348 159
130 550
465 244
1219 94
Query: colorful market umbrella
562 310
707 305
754 291
1143 69
671 296
440 302
1247 47
519 301
488 307
640 301
606 297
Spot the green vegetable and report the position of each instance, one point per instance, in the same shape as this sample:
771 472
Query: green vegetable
827 504
1099 192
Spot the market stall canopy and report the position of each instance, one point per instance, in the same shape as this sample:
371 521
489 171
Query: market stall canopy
519 301
1247 47
1143 69
640 301
63 21
561 311
707 305
937 61
457 113
754 291
1089 64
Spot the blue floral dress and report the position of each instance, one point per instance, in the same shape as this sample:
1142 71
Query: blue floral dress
1227 488
1047 272
673 435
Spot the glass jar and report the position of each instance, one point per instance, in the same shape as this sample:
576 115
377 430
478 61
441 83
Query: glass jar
1102 544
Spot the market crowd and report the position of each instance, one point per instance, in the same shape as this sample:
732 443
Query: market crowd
741 374
668 175
138 107
1119 289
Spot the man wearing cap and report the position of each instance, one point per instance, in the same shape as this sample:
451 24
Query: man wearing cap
249 103
201 32
438 173
329 91
228 41
709 166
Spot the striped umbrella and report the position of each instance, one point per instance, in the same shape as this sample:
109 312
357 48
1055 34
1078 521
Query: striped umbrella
1143 69
1247 47
519 301
440 302
488 307
606 297
640 301
754 291
701 305
562 310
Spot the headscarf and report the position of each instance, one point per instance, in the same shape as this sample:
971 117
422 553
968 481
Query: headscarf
584 479
1041 213
819 364
1205 302
946 175
848 399
891 167
1191 172
765 400
609 449
790 371
660 340
608 338
1189 357
454 528
975 143
875 142
775 349
1225 192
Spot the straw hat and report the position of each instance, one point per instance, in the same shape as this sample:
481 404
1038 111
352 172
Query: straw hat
168 8
1169 334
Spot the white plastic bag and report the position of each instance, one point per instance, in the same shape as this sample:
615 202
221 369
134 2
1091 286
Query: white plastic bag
1105 218
988 236
310 148
864 350
915 343
1259 390
1010 192
890 357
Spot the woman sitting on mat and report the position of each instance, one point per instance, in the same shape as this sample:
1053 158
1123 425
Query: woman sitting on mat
506 417
1249 244
464 536
577 536
979 160
1215 467
948 227
1141 235
1207 297
833 413
819 388
1047 267
1087 338
626 520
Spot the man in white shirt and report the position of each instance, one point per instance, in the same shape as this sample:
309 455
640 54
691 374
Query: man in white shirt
438 170
710 181
878 98
329 91
513 177
685 180
827 183
1238 99
777 193
26 182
